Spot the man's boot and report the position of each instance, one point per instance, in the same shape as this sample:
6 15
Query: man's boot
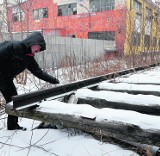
12 123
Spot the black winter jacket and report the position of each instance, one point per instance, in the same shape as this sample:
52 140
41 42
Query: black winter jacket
13 58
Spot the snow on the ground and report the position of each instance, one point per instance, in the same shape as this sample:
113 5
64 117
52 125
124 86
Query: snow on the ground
151 76
61 142
58 142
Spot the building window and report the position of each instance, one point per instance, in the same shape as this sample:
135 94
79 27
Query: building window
137 23
101 5
137 7
147 40
21 1
17 14
67 9
1 23
135 39
155 17
107 35
154 41
148 13
138 16
40 13
148 24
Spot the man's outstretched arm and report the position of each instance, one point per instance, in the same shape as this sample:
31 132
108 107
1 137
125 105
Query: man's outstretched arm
38 72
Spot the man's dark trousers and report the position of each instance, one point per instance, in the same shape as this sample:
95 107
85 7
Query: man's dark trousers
8 90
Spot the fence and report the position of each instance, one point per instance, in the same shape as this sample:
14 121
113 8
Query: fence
66 50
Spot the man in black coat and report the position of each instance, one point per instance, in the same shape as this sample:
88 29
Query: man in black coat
15 57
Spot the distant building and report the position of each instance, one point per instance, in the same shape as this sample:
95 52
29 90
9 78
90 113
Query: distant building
142 30
132 24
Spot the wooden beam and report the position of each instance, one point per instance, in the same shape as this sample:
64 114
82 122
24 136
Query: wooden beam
118 130
135 92
102 103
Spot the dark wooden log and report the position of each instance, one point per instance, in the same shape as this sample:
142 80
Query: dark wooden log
136 83
102 103
118 130
135 92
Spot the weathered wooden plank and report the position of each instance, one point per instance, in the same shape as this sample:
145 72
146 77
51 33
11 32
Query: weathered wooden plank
118 130
130 88
103 103
156 93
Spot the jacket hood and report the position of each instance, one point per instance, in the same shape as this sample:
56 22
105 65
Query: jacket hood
35 38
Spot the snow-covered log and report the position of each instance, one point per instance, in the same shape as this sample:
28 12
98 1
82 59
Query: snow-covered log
148 104
113 129
103 103
130 88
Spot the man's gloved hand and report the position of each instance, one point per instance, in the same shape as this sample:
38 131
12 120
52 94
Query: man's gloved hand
56 81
